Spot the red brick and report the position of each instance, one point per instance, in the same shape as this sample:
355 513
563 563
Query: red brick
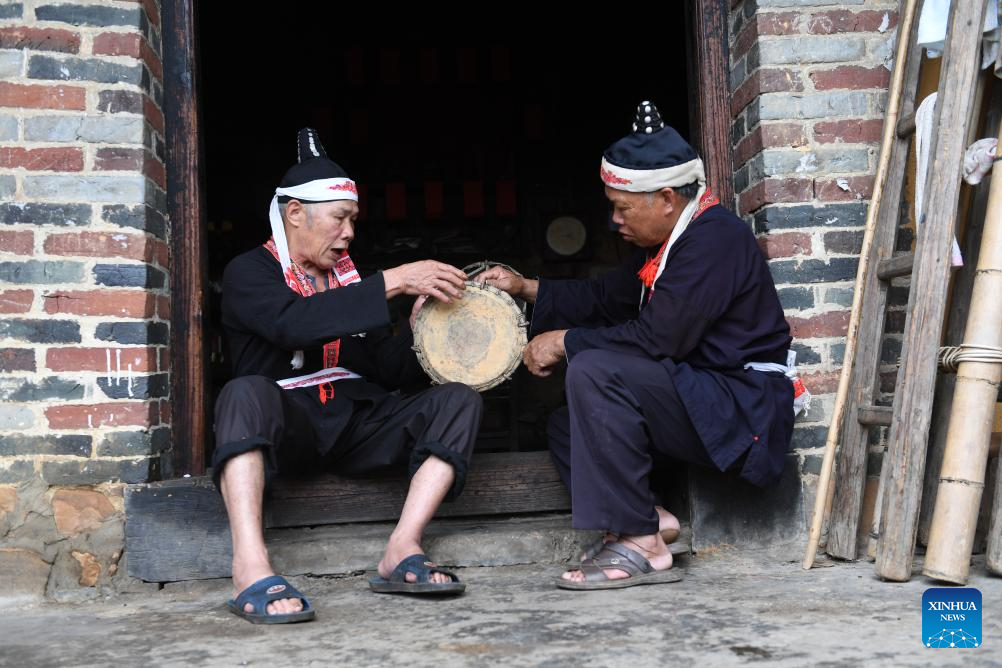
42 97
16 359
787 244
161 253
778 23
163 308
152 11
844 20
119 159
851 77
154 116
100 244
773 80
19 243
829 190
821 382
128 44
165 411
42 159
153 168
104 360
772 191
770 135
39 39
151 59
846 242
16 301
163 359
850 131
745 39
119 303
96 416
824 325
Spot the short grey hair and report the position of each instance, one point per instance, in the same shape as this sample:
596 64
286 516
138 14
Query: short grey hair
687 192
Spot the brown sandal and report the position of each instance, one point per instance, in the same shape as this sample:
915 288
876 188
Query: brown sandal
618 556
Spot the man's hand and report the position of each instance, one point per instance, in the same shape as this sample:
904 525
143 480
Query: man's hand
418 303
513 284
544 352
427 277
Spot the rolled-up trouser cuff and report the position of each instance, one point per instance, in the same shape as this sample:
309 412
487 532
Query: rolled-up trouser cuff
422 451
227 451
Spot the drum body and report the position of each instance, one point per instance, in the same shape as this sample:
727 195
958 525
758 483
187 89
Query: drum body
477 340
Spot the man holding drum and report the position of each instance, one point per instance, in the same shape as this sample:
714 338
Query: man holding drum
682 352
313 356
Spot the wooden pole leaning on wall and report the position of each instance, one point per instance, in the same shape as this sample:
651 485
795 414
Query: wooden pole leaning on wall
962 477
822 502
994 551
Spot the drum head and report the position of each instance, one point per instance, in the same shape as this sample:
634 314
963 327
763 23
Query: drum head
477 340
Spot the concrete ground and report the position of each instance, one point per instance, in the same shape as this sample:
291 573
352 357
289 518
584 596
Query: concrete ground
732 608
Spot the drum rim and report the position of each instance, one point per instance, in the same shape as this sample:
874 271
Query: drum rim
522 339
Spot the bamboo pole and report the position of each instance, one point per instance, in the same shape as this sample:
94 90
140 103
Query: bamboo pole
962 478
826 483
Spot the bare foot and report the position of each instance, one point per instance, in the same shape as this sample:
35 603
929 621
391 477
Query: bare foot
399 549
653 548
668 526
247 573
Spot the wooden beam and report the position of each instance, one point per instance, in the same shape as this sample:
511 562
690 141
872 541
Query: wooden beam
875 416
188 254
710 111
899 265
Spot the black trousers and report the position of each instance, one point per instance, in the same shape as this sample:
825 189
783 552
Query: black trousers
383 436
621 411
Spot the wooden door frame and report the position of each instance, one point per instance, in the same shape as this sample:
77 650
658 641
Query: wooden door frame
710 129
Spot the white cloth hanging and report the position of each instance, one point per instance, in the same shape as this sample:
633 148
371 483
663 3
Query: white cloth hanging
923 135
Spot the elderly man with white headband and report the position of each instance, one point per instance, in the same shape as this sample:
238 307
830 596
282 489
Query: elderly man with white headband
314 362
680 353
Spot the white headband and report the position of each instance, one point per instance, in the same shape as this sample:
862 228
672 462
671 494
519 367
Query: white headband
321 190
652 180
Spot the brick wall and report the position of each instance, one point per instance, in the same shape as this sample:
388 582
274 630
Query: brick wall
809 81
83 284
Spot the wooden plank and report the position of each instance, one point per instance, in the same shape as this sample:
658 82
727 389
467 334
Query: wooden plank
863 383
913 397
906 126
899 265
993 553
188 245
497 483
710 112
960 298
875 416
180 527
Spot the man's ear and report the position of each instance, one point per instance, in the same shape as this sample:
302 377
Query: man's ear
295 213
668 200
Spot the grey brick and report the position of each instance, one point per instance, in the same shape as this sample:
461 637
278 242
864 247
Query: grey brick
8 128
805 354
839 296
139 333
112 189
139 217
850 214
37 272
44 389
134 443
890 351
11 63
48 444
16 417
837 353
16 471
811 49
813 271
84 69
742 178
89 15
129 275
874 462
97 129
41 331
30 213
95 471
779 106
805 3
771 162
796 298
807 438
119 101
812 464
12 11
8 185
135 387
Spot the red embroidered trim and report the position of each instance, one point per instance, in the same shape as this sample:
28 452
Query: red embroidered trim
612 179
349 187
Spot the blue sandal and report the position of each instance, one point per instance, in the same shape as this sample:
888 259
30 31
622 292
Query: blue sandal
419 565
263 592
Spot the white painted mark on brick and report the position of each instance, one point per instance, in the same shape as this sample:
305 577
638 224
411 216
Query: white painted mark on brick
831 221
130 382
885 23
107 358
808 163
119 237
90 421
843 184
65 71
118 367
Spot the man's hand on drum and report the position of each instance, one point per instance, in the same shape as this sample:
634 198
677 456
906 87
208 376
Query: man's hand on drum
544 352
513 284
427 277
418 303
